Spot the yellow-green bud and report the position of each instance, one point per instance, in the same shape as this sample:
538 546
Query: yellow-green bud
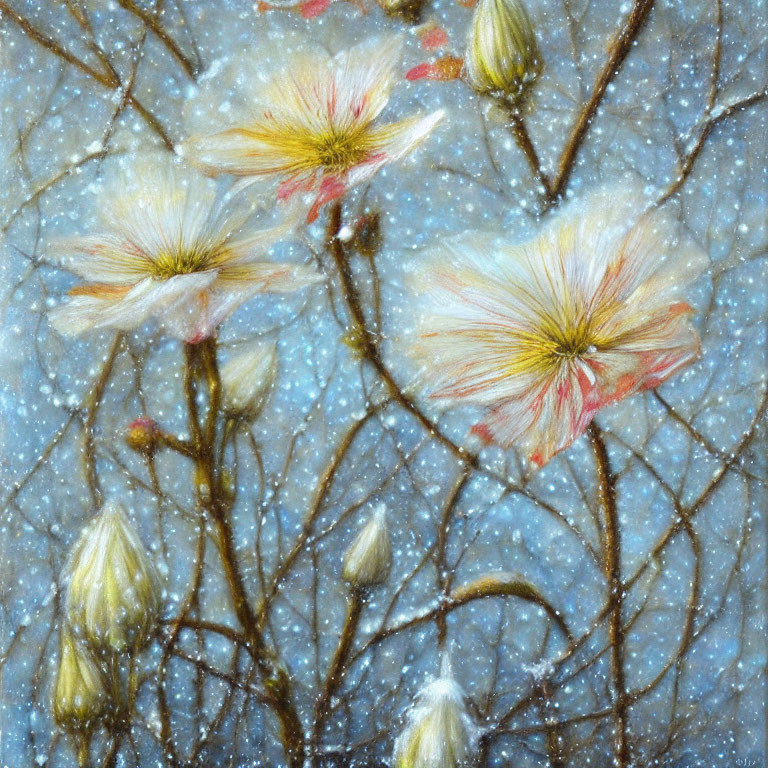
439 732
247 379
369 557
79 695
502 53
114 591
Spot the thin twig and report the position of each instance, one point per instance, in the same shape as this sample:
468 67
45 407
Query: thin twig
92 405
612 554
617 53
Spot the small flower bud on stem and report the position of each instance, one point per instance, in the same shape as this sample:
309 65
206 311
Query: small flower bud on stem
368 560
503 56
113 596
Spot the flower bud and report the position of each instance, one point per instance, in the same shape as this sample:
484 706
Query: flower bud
141 435
247 379
368 237
114 590
408 10
369 557
439 732
79 695
502 53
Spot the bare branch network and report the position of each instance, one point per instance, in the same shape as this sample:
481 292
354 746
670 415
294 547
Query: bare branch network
415 419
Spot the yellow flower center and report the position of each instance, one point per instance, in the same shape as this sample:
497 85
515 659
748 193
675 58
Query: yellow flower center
571 341
339 151
297 148
554 341
173 262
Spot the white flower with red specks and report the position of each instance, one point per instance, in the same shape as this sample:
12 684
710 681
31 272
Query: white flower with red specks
170 250
546 333
313 126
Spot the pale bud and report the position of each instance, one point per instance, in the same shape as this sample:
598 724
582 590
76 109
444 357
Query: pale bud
439 732
79 695
114 590
369 557
502 53
247 379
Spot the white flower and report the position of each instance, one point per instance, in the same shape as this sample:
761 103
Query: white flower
545 333
439 732
113 596
79 695
369 558
502 54
169 251
247 379
312 125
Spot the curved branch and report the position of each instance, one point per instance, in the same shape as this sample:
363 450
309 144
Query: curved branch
490 585
617 53
107 80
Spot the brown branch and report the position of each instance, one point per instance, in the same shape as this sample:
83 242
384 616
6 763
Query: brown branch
617 53
107 80
717 56
488 586
151 22
92 405
52 182
212 499
210 626
523 139
308 525
612 546
355 605
713 120
441 563
686 515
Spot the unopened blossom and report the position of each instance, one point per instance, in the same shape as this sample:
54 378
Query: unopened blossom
439 732
247 378
502 53
169 249
369 558
313 125
407 10
142 435
113 597
79 695
545 333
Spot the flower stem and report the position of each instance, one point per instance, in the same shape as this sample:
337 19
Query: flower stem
369 348
524 142
612 564
355 605
89 423
201 360
83 746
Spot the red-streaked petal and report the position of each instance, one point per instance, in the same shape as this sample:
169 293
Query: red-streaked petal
432 36
312 8
331 188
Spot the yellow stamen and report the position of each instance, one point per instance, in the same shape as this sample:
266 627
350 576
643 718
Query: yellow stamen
169 263
298 149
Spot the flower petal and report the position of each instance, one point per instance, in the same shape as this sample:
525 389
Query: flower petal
268 276
199 316
364 77
148 298
105 259
396 140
